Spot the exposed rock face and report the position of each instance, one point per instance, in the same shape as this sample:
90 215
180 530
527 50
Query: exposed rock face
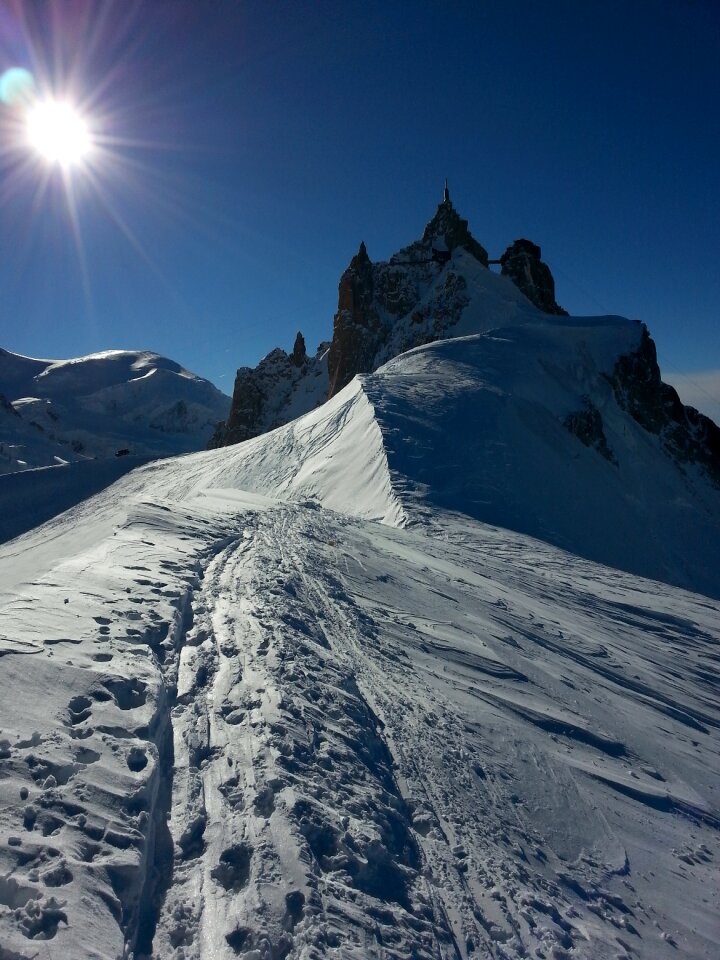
449 226
587 426
245 412
299 353
280 388
357 330
522 264
687 435
374 297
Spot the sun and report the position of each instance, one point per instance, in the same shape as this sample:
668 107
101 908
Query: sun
58 133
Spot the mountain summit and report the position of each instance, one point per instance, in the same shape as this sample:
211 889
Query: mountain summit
426 291
89 408
441 287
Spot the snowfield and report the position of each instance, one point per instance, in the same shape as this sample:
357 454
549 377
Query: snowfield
418 675
61 412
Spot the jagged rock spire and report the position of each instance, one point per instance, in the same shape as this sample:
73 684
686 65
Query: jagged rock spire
448 225
299 353
446 193
522 264
354 330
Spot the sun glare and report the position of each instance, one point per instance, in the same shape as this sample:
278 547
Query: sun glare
58 133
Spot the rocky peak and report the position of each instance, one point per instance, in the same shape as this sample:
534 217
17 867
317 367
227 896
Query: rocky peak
262 394
374 298
299 353
389 307
356 284
384 308
356 324
522 264
447 225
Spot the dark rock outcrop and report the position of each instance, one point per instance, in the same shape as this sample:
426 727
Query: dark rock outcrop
522 264
587 426
299 353
687 435
356 329
246 410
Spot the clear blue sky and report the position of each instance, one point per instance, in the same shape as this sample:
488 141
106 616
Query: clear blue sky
250 146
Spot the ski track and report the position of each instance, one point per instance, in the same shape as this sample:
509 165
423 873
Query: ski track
294 734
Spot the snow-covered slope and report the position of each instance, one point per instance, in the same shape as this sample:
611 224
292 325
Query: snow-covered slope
24 444
242 718
30 497
487 426
91 407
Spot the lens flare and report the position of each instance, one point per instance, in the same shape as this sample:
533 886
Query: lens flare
58 133
17 87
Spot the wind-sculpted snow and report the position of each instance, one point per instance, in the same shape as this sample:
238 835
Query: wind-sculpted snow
479 426
239 727
337 691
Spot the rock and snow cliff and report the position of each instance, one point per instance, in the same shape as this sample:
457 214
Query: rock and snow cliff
68 411
418 296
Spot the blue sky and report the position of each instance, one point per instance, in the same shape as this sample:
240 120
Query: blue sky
250 146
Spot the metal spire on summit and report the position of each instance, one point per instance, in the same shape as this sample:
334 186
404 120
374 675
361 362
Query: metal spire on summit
446 193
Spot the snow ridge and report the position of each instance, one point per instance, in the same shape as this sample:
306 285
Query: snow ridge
480 425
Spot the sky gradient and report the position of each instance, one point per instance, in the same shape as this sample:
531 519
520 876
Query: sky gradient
247 148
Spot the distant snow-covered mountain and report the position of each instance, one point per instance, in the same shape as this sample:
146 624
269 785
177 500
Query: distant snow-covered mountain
65 411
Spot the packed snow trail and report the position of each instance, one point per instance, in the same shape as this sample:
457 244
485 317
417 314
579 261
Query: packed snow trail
284 790
273 730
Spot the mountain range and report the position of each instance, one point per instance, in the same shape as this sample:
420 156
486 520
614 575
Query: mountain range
559 427
424 667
